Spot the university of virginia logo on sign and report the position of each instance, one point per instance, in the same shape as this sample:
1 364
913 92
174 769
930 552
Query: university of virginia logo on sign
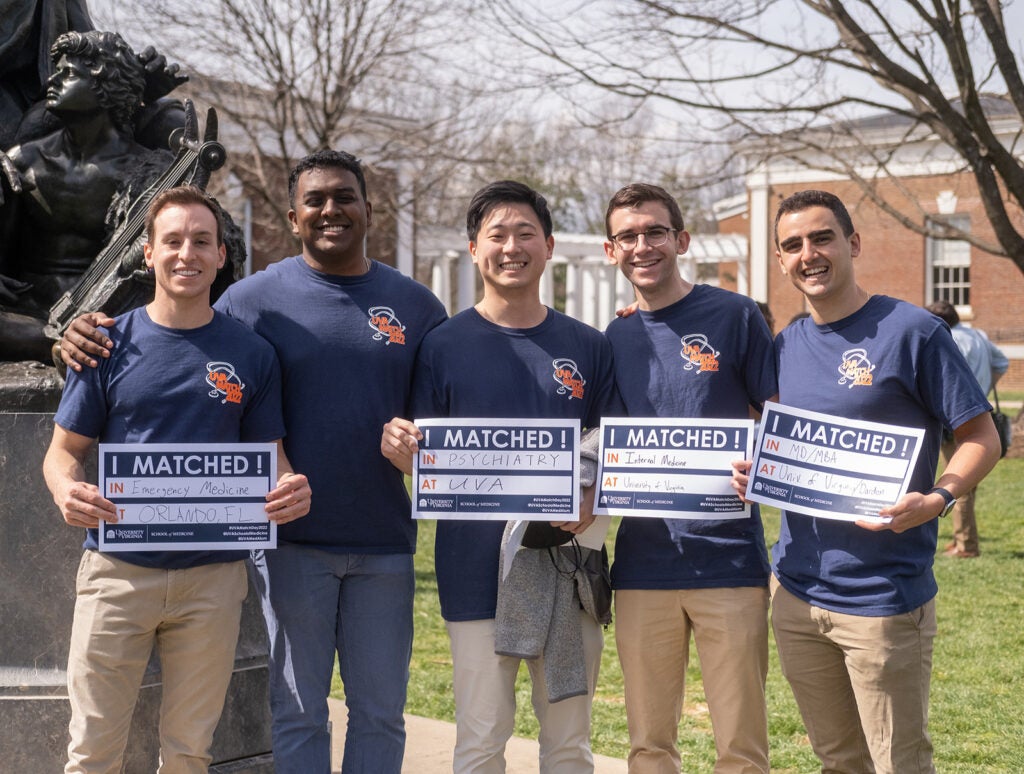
698 354
856 368
386 327
225 382
570 382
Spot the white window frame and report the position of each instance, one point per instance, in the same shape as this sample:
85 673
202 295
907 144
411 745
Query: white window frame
953 256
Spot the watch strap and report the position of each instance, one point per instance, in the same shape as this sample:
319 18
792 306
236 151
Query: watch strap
947 496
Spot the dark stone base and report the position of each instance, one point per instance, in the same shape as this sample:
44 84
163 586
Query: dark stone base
34 726
29 386
39 556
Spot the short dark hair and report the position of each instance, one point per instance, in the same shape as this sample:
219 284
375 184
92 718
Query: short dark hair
766 313
505 192
118 77
635 194
183 195
325 159
804 200
944 311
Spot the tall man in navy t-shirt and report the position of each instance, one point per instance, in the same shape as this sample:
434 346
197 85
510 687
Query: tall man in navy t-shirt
674 576
500 359
853 605
346 330
157 388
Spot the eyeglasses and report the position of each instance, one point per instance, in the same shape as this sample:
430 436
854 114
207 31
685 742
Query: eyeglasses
654 237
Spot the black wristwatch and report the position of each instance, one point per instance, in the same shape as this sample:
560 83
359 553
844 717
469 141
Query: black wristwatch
947 496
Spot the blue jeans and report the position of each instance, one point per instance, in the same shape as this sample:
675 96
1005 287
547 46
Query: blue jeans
359 605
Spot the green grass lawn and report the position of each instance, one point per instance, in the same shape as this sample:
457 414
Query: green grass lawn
977 681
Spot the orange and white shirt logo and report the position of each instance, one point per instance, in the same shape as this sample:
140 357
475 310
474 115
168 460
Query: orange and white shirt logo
567 376
386 326
856 369
226 384
697 353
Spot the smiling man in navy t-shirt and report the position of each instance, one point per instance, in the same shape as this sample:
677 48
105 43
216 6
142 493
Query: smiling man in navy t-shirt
156 388
853 604
677 576
504 358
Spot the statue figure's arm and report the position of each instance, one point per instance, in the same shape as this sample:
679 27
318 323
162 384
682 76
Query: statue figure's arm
161 78
11 179
12 184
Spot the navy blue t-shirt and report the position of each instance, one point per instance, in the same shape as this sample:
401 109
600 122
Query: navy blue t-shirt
888 362
709 355
156 387
347 347
469 367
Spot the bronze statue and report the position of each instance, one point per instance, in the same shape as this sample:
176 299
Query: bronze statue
59 187
28 28
56 191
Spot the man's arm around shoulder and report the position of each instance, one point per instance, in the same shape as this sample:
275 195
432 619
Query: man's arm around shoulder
84 340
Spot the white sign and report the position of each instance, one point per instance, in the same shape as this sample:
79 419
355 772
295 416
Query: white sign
497 469
188 497
672 468
832 467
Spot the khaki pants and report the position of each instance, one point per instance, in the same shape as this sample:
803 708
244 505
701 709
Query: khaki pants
965 525
485 703
861 684
121 611
730 630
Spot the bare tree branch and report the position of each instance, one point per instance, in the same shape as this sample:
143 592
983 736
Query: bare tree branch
777 74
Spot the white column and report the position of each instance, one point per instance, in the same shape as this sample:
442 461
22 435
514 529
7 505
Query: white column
760 242
573 288
590 293
440 283
467 282
405 261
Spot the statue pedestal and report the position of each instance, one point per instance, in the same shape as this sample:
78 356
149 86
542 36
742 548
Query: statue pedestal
39 556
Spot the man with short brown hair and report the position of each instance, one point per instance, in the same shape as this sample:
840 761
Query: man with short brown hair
677 577
155 388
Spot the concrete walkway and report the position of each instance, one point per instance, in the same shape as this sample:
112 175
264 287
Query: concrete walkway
429 744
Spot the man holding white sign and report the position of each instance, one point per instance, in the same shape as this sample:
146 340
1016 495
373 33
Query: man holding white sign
508 357
155 389
689 351
853 605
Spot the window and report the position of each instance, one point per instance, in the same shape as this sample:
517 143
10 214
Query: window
949 266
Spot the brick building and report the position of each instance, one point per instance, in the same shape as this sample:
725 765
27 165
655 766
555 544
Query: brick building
920 177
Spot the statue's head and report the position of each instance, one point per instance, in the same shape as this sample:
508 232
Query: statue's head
114 71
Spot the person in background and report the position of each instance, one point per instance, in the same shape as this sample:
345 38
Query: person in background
988 363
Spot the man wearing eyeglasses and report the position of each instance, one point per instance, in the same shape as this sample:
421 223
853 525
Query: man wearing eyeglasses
688 351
